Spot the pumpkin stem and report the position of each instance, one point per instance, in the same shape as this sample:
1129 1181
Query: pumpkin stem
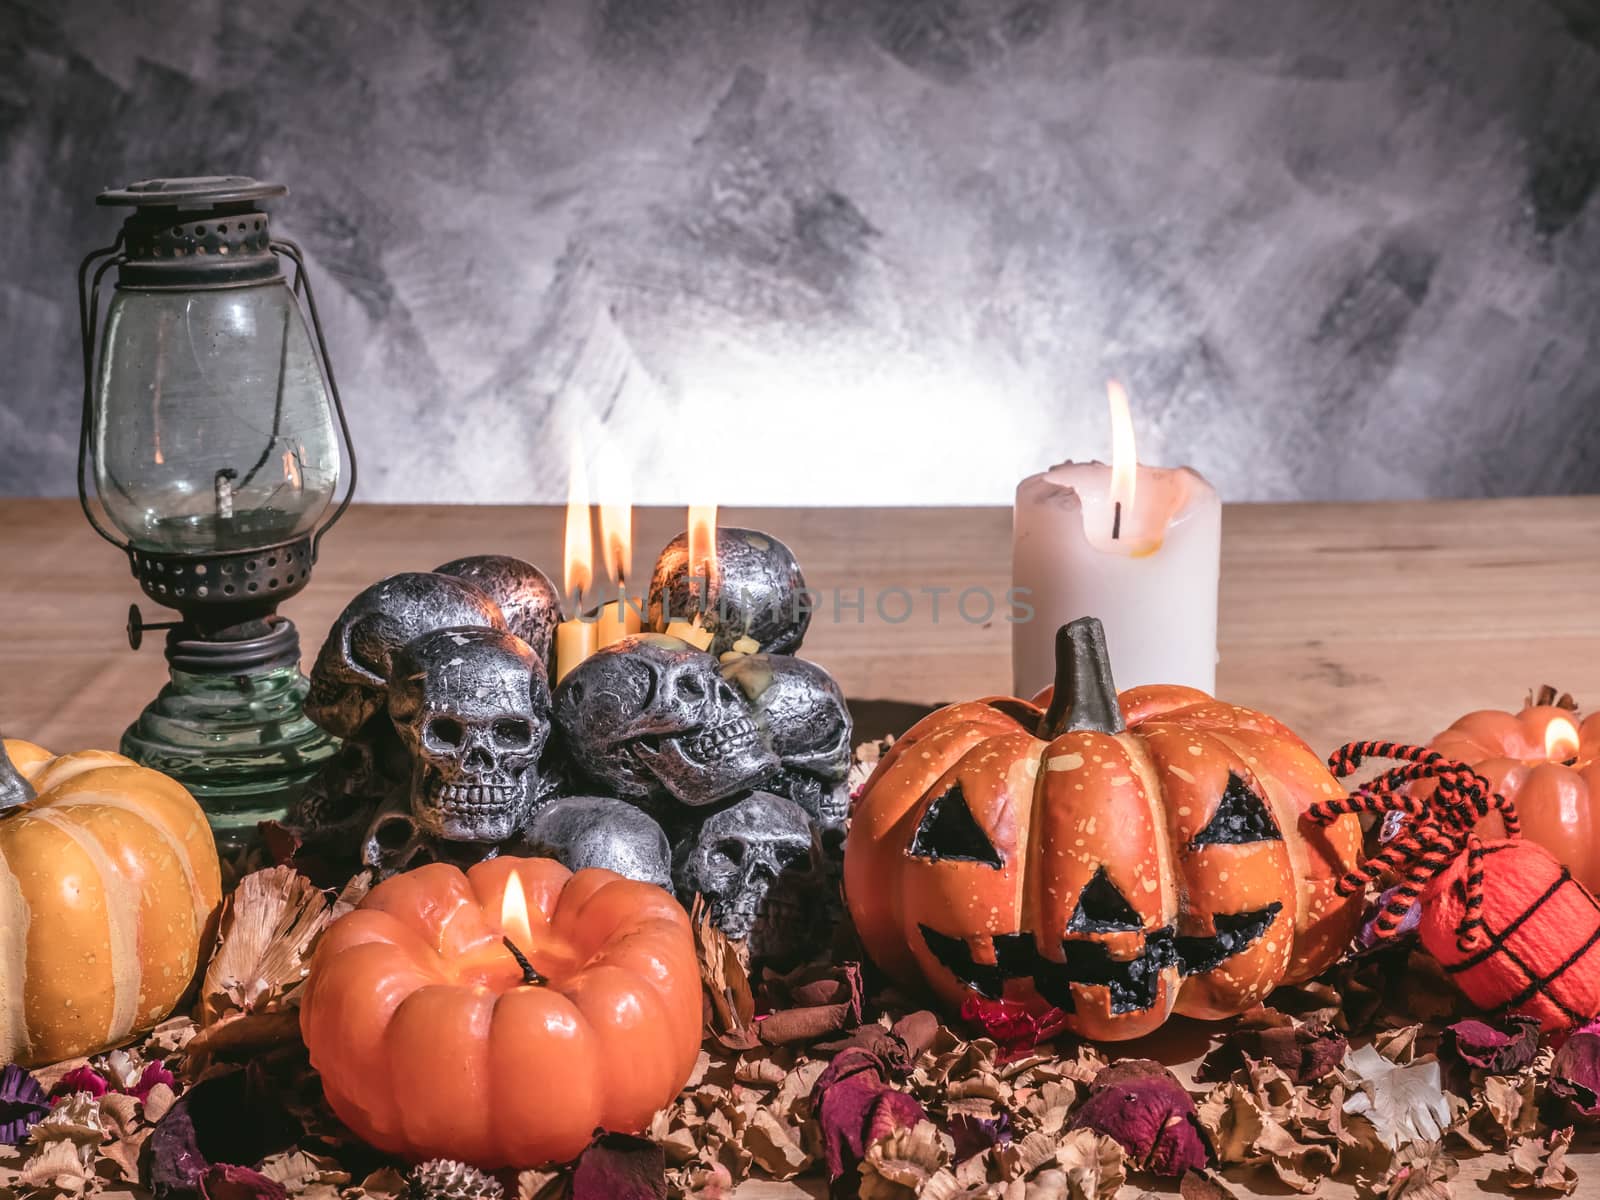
14 789
529 976
1085 695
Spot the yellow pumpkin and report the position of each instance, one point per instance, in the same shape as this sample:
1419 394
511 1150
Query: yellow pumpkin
109 889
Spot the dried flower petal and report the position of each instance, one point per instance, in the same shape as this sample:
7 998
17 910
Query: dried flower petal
1204 1185
898 1165
225 1182
1404 1103
1146 1110
81 1079
974 1135
1091 1164
62 1165
618 1166
1541 1163
1575 1073
1418 1173
153 1076
1014 1027
22 1104
1481 1045
269 926
855 1107
1304 1051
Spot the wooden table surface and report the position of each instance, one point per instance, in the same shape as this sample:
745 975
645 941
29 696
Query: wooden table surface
1345 620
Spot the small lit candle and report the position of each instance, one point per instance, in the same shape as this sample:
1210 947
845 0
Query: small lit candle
576 637
623 616
702 546
1136 546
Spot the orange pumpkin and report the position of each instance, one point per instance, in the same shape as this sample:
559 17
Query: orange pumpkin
1548 764
434 1042
1116 863
109 888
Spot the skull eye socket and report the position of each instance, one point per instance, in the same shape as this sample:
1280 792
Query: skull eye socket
1242 816
445 733
950 831
691 687
730 852
511 733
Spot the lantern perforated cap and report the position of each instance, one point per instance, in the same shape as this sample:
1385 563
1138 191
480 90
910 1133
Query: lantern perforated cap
200 191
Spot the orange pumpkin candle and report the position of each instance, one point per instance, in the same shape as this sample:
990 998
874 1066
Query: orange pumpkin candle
436 1040
1546 762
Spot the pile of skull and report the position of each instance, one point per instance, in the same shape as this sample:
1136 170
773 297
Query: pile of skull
708 772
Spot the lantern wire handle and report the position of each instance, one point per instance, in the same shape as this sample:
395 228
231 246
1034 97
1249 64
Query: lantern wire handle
302 284
88 324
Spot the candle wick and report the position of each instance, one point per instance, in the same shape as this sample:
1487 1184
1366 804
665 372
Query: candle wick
1116 520
529 976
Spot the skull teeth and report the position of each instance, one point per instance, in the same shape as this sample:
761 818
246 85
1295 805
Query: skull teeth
719 742
476 797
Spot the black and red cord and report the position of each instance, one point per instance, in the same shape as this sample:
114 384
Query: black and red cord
1438 829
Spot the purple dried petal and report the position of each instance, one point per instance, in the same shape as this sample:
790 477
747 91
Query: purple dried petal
81 1079
1575 1073
153 1074
1142 1106
23 1105
618 1166
974 1135
1479 1044
226 1182
855 1107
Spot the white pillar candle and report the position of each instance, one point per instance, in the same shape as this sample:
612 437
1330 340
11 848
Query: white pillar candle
1153 587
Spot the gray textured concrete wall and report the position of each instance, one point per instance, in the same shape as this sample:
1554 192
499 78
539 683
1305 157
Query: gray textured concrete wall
863 250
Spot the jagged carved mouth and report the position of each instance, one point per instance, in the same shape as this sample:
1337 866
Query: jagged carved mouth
1133 983
706 747
467 799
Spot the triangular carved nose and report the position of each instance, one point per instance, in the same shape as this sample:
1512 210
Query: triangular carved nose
1102 908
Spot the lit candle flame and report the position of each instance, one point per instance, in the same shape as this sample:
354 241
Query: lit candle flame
702 541
514 922
1124 457
616 523
1560 739
578 559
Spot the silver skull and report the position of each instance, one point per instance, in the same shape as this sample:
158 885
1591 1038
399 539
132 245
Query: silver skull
651 717
527 598
803 713
473 708
350 676
738 855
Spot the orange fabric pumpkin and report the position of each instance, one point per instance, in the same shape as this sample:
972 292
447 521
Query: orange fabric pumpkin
109 889
1118 864
432 1043
1548 764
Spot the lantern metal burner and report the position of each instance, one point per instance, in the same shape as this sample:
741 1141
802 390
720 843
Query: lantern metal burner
208 428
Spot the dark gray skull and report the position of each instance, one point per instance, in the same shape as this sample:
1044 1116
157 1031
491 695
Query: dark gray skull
650 716
528 600
803 713
473 708
349 679
600 831
755 590
738 854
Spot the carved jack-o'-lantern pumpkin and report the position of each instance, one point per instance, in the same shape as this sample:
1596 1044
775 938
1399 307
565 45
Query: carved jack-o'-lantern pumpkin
1116 863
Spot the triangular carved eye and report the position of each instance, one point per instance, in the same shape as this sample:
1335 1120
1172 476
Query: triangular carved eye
950 831
1241 816
1102 908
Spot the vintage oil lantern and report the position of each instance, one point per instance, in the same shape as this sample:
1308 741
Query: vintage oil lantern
211 438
